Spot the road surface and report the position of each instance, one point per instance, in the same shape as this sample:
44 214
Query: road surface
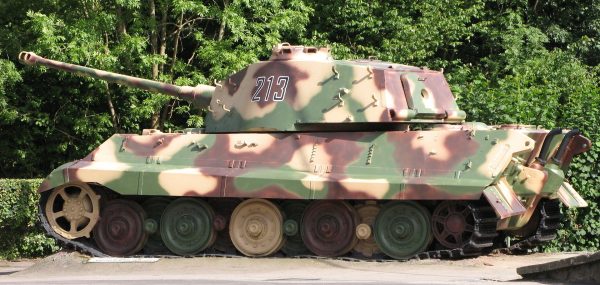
74 268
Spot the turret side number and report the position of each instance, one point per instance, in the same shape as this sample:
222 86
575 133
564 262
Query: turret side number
274 93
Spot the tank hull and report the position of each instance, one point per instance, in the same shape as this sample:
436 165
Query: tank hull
463 184
437 164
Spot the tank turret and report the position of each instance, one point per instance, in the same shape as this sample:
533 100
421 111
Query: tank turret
304 89
199 95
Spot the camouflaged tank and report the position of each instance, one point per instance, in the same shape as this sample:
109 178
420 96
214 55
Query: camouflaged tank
306 155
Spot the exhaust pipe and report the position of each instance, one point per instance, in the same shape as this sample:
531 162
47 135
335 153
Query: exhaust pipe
563 146
546 145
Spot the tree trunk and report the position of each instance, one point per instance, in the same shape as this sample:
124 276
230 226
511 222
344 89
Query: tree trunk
223 21
111 108
153 36
109 102
163 33
121 28
163 52
535 6
176 43
155 119
164 113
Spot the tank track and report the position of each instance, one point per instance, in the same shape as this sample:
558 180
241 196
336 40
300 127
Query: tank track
481 240
550 217
480 243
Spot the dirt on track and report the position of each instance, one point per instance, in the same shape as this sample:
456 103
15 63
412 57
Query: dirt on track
74 268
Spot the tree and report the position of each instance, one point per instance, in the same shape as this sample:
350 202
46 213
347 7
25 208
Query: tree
178 41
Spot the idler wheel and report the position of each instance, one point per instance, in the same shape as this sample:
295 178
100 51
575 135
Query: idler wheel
256 228
293 216
328 227
452 224
186 226
121 232
73 210
403 229
366 245
154 208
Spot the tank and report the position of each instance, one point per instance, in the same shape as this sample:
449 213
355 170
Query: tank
306 155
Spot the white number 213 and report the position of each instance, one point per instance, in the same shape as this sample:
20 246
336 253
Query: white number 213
274 94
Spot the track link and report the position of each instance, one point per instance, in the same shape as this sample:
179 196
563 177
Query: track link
482 239
550 218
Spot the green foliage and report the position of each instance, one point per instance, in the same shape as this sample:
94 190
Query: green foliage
9 76
571 25
20 232
581 230
417 32
552 89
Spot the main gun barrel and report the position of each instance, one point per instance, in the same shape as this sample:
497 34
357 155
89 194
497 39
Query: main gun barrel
199 95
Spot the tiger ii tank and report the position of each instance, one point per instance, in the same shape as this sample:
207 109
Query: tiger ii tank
306 155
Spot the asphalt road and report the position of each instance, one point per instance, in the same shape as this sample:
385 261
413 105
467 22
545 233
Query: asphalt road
73 268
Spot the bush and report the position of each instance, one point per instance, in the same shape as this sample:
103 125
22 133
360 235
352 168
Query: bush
21 234
551 89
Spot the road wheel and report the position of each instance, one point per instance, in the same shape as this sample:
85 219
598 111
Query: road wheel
155 208
256 228
120 231
367 213
328 228
293 217
186 226
453 224
403 229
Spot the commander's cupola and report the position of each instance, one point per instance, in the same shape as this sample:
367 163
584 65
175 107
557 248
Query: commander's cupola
285 51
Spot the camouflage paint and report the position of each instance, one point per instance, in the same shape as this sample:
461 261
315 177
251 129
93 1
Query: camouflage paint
304 126
438 164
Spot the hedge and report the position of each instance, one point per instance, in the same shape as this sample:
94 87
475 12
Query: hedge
21 235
